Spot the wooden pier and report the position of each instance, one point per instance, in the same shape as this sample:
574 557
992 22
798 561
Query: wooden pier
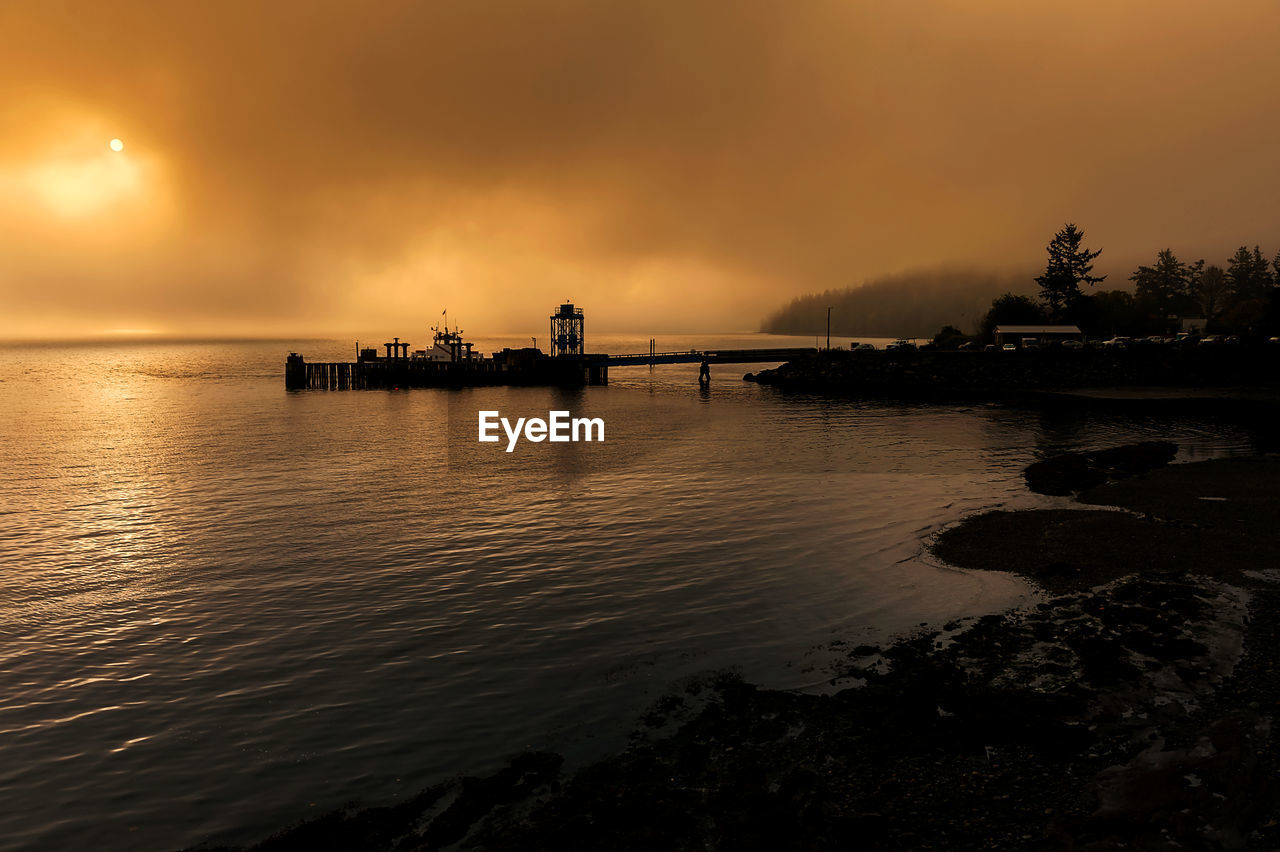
450 362
510 367
711 356
397 373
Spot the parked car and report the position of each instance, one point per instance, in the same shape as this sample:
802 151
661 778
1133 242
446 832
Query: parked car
864 347
1072 344
1187 340
1009 347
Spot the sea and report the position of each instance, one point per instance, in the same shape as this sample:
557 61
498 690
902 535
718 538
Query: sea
226 607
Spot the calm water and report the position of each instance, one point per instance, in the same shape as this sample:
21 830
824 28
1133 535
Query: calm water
224 607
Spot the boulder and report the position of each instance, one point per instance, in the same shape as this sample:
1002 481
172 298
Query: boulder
1070 473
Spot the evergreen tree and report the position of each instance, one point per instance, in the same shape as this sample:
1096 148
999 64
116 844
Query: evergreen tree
1210 290
1249 274
1069 265
1114 312
1010 310
1163 289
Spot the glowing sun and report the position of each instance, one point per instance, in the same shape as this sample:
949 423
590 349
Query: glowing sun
115 145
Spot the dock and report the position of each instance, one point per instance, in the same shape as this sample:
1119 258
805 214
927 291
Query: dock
451 362
712 356
400 373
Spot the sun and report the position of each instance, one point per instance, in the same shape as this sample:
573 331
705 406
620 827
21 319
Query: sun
116 145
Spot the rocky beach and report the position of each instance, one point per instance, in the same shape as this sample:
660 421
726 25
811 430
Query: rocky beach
1131 708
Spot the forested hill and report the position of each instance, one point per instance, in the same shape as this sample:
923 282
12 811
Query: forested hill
914 304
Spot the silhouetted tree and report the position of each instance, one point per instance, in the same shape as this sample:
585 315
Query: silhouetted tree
1069 266
1249 274
1010 310
949 337
1271 322
1210 290
1111 313
1164 288
1244 316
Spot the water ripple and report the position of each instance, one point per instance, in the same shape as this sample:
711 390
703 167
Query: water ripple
221 603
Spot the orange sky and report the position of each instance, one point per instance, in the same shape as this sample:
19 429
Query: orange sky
321 167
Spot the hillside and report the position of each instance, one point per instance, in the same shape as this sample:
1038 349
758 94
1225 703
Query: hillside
913 304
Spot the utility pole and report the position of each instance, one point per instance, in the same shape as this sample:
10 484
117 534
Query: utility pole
828 328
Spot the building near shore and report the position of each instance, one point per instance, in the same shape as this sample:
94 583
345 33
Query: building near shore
1041 334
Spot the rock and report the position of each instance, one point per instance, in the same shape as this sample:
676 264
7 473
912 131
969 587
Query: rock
1073 472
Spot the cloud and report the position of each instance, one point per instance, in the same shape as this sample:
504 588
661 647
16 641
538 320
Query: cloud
325 166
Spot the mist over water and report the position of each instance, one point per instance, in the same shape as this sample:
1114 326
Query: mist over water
225 607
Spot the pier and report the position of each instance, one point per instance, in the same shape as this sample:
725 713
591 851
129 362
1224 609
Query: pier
523 368
450 362
712 356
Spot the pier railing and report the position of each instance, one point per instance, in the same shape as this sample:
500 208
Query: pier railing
714 356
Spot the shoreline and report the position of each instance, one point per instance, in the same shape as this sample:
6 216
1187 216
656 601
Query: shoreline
1131 709
1144 374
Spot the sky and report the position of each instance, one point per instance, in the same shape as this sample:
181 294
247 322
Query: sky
309 167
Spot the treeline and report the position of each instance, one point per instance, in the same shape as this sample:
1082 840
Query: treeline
914 304
1243 298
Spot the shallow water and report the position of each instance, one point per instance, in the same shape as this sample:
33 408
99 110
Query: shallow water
225 607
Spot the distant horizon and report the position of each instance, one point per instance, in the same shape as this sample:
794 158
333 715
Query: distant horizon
159 338
664 165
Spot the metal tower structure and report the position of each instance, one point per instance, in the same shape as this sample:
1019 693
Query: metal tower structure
566 331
